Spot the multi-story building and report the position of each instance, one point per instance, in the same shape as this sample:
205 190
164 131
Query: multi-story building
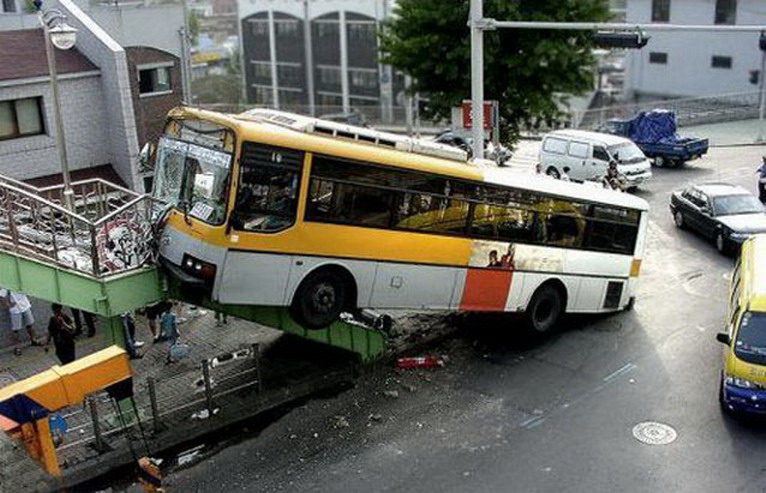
116 85
705 63
316 56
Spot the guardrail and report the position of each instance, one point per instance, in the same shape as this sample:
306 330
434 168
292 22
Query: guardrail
110 231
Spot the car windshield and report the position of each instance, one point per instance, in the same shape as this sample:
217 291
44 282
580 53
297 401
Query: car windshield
626 153
736 204
193 177
750 345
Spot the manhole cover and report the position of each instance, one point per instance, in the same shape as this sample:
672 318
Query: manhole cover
6 379
653 433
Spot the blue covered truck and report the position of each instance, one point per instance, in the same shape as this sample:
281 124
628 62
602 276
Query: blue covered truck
654 132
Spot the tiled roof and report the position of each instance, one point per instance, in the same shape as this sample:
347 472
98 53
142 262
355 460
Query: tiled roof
105 172
23 56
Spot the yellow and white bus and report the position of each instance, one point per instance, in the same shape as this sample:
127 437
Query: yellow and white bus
275 209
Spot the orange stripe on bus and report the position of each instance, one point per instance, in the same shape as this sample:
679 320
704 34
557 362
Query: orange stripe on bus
486 290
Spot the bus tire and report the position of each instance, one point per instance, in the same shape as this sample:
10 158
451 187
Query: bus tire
544 310
320 299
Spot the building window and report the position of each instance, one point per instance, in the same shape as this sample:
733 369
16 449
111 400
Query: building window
262 70
291 98
361 31
8 6
657 57
328 75
329 101
367 79
721 62
20 118
726 11
660 10
259 27
290 74
263 95
327 29
154 80
286 28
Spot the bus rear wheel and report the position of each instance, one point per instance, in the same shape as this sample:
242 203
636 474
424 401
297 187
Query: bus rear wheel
319 300
544 310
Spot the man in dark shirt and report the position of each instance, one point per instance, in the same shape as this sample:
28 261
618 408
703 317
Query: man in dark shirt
61 331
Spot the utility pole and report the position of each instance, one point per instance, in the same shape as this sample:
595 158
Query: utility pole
761 95
477 78
309 57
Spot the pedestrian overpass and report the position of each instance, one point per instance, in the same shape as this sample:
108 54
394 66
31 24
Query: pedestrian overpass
101 257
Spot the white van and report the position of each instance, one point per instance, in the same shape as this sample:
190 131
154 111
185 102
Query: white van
585 155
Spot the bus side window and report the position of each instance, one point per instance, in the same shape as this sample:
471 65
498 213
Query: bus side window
267 198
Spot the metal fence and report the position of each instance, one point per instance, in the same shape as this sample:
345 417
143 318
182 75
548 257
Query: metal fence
689 111
108 232
160 405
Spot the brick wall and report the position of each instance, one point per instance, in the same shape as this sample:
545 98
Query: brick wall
84 120
150 110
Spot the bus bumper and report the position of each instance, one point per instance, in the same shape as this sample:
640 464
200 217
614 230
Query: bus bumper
742 400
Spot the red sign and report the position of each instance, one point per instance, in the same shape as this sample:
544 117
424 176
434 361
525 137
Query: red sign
489 110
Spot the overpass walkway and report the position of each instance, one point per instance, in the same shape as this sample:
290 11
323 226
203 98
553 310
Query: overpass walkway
101 257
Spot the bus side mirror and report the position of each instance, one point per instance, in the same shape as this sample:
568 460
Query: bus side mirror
723 338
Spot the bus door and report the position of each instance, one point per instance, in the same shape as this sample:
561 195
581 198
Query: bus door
266 206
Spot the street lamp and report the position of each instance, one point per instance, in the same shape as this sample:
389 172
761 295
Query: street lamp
63 36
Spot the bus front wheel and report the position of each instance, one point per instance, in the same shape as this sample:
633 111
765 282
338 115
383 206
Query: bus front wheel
544 310
319 300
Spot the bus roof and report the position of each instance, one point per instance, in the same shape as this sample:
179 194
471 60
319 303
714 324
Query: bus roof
252 127
755 249
588 191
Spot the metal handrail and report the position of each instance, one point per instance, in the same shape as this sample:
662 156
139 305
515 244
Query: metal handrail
110 231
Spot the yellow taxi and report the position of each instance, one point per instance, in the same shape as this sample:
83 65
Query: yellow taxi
743 379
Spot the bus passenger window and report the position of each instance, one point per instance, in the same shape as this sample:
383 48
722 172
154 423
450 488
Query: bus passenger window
267 198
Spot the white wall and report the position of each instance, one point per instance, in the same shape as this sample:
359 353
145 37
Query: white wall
83 118
155 26
372 8
688 71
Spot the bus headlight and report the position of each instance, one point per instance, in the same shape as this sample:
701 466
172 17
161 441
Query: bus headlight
198 268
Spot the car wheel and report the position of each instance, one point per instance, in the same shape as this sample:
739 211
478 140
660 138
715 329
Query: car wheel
720 242
319 300
553 172
659 161
678 218
544 310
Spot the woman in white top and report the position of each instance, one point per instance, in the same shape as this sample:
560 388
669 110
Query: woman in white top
20 309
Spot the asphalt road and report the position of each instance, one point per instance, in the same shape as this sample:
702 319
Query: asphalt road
504 415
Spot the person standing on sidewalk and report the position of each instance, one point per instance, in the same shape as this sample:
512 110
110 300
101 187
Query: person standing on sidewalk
61 331
90 322
20 309
762 181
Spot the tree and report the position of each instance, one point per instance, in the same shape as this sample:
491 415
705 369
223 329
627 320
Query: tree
193 27
528 71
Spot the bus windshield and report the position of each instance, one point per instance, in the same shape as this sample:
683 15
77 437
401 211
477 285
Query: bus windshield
751 338
194 178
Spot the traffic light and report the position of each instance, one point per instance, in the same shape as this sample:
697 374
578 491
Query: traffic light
755 76
635 40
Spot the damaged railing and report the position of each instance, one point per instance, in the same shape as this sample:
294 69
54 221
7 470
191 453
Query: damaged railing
110 230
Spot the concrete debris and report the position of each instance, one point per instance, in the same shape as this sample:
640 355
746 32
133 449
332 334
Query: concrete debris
409 388
392 394
376 417
340 422
204 414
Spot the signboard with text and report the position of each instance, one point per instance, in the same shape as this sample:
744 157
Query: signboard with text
490 114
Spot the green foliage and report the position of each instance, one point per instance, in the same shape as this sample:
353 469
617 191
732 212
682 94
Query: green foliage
193 27
217 89
526 70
